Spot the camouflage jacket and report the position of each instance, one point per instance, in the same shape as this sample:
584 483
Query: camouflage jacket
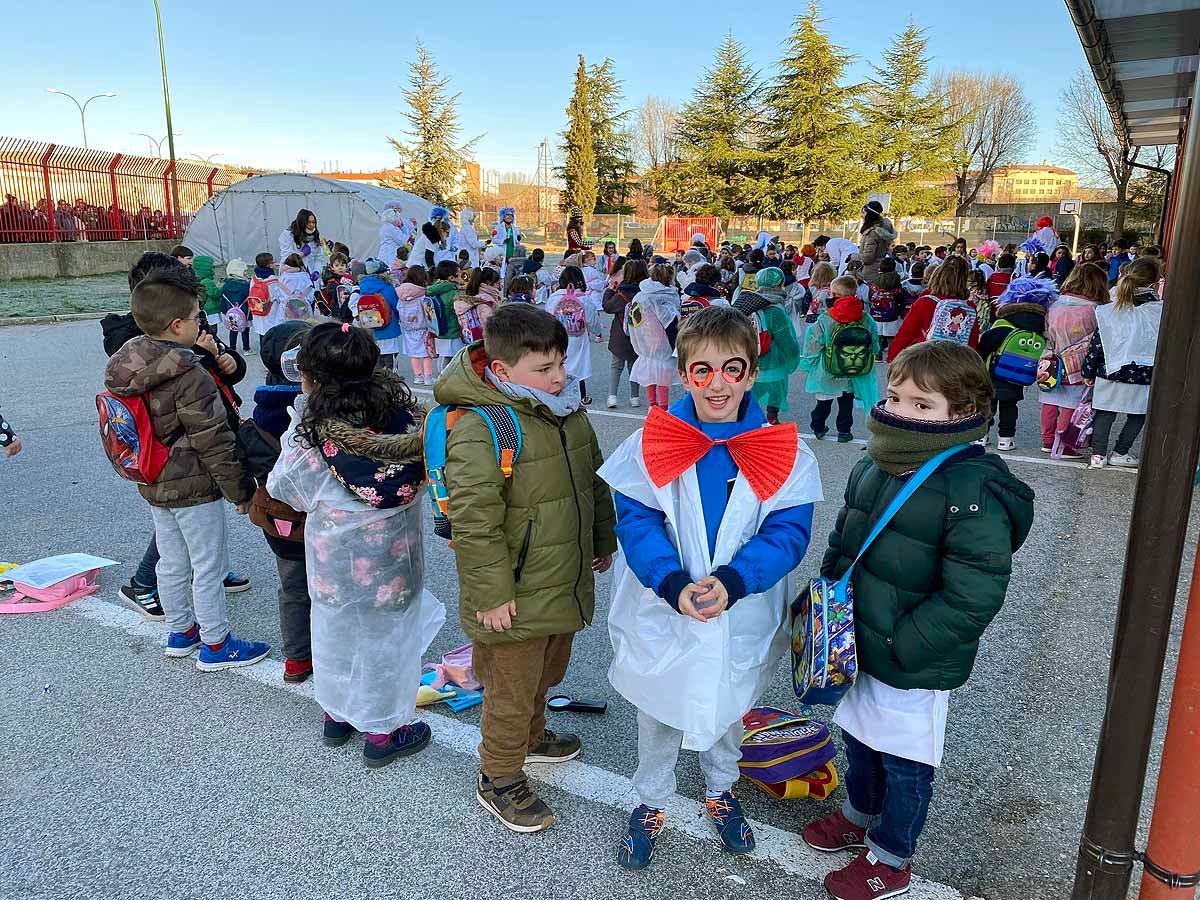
188 417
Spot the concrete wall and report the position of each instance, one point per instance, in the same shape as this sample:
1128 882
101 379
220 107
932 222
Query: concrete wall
70 260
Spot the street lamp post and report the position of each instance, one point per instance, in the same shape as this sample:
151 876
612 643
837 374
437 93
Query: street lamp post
82 108
155 143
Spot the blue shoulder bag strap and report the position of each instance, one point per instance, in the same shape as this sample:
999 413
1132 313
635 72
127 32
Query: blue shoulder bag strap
910 487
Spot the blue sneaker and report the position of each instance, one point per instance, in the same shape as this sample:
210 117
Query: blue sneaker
182 643
726 815
637 846
235 584
404 741
232 654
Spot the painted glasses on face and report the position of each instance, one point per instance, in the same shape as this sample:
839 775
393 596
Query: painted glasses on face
733 370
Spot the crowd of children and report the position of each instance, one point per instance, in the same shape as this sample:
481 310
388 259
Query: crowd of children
704 508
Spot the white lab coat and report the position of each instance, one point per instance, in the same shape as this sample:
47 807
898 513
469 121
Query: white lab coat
579 351
699 678
391 238
316 260
468 238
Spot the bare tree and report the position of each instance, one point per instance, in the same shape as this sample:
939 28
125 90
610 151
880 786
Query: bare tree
1087 139
655 132
997 126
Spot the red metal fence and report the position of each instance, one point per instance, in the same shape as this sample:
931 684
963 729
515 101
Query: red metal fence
677 232
57 193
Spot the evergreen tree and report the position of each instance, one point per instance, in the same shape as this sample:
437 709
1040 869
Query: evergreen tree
811 160
611 141
718 133
432 158
910 137
579 169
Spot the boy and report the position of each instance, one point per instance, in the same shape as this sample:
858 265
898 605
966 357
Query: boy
923 592
183 255
699 613
442 291
846 314
526 545
186 499
764 304
211 298
235 291
336 280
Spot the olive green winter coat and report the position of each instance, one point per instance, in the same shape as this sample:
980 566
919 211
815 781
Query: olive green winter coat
531 537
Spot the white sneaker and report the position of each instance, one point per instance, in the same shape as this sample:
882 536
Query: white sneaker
1123 460
1098 461
635 402
612 401
1005 444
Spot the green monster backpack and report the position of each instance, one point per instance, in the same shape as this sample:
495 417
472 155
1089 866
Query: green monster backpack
850 351
1016 362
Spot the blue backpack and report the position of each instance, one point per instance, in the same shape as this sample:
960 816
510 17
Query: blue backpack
824 655
506 438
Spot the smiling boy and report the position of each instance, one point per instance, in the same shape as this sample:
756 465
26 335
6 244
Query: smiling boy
714 511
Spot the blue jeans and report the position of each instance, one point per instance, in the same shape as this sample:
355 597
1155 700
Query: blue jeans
889 796
145 575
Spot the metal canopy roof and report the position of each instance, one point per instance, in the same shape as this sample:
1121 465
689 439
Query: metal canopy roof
1144 55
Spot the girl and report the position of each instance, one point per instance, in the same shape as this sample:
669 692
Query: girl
375 281
635 250
1120 361
570 304
728 267
616 299
818 286
352 460
597 281
947 282
1062 264
476 304
805 263
977 293
415 339
302 237
651 320
1039 266
297 285
778 346
522 290
886 301
1070 324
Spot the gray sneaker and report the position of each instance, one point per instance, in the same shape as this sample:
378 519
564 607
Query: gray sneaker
554 748
513 802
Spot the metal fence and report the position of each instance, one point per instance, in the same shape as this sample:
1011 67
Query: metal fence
58 193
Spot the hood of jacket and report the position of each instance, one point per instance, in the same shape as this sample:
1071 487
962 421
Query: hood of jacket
373 284
464 384
203 266
467 217
275 342
846 309
403 444
118 329
409 291
884 229
144 363
651 287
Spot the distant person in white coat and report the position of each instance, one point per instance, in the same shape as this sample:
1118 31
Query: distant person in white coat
303 237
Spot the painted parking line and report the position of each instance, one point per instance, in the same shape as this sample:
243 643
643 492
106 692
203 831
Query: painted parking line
588 782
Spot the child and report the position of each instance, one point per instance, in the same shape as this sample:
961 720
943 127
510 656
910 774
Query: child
235 290
474 305
521 290
702 291
1005 266
399 263
526 546
651 320
1012 347
943 313
375 280
571 304
779 350
1120 361
616 299
818 285
332 299
265 283
924 592
703 594
353 454
9 442
447 335
977 296
596 281
464 269
186 498
415 338
914 284
183 255
886 299
843 340
211 298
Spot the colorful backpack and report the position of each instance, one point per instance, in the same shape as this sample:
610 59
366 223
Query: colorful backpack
1078 433
953 320
572 313
235 319
690 305
506 438
470 324
787 755
259 299
759 321
374 311
435 315
296 308
850 351
1016 361
824 654
128 438
820 302
885 305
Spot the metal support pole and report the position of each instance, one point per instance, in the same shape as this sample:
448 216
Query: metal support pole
115 212
45 164
162 59
1157 530
1075 240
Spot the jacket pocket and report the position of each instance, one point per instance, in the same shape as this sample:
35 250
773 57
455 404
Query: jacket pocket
523 552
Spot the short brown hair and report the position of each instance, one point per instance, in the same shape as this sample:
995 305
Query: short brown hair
724 326
846 284
949 368
1089 279
164 295
517 329
948 281
663 274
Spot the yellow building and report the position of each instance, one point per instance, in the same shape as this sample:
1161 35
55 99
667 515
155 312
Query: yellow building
1031 184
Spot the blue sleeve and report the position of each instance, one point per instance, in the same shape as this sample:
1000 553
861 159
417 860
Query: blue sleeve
649 552
770 555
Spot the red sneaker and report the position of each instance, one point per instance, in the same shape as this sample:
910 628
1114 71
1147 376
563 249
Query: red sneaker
296 671
867 879
834 833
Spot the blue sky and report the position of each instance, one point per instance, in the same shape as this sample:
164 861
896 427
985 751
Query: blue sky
271 84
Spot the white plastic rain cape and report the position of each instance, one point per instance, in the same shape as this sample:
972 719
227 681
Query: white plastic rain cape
697 677
372 618
646 319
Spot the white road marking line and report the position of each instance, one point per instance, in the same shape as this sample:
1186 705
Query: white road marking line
586 781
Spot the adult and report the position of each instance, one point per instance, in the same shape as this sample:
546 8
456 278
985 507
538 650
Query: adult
468 237
393 234
575 232
506 234
430 246
838 249
876 236
1045 235
303 237
1061 264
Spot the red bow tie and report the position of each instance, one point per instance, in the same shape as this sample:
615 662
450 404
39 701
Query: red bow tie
765 456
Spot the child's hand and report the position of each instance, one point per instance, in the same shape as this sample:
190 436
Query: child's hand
500 618
226 363
243 508
713 598
602 564
15 447
687 605
208 342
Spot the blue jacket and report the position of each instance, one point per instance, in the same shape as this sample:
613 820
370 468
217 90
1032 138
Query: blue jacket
373 284
762 561
1114 267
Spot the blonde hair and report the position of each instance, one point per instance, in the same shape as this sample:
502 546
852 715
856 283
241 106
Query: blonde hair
845 286
663 274
1142 272
1088 280
821 277
949 279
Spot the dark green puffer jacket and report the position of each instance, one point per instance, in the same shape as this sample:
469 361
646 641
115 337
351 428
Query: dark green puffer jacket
932 581
532 537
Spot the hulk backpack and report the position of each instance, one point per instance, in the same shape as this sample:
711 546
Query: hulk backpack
850 351
374 311
128 438
259 298
953 320
571 312
506 438
1016 360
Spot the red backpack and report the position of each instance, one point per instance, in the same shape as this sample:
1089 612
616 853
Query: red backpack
997 284
374 311
128 438
259 299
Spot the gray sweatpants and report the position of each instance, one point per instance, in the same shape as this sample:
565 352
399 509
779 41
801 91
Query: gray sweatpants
658 753
192 548
295 608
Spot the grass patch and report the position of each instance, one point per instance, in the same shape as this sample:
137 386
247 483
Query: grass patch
61 296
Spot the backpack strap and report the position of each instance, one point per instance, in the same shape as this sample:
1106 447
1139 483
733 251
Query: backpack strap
506 434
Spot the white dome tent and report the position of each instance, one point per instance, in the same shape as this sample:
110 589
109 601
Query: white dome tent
245 218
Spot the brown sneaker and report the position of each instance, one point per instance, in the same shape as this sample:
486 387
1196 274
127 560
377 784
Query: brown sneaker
833 833
554 748
514 803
